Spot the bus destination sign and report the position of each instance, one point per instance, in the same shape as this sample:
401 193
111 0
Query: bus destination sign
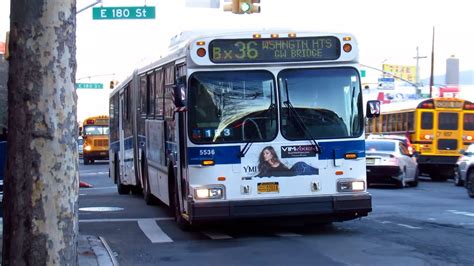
274 50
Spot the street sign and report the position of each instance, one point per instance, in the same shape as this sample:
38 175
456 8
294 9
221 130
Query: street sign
362 73
89 86
124 12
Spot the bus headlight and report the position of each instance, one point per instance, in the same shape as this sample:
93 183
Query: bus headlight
87 148
350 185
211 192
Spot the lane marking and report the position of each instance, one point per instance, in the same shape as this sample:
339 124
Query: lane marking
94 173
125 220
99 188
151 229
287 234
409 226
216 235
470 214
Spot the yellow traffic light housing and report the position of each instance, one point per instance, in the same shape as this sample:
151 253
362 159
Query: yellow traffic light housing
243 6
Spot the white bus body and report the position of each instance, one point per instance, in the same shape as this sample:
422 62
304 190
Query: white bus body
245 125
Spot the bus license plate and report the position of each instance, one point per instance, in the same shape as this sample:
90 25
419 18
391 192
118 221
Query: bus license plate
268 187
370 161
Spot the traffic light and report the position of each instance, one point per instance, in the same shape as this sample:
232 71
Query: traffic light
243 6
112 84
249 6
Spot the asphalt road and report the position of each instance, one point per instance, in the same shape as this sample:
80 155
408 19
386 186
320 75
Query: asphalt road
432 224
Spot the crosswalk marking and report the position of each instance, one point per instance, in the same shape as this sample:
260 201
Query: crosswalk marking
151 229
409 226
216 235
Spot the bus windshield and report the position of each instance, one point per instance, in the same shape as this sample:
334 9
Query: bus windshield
232 106
96 130
328 101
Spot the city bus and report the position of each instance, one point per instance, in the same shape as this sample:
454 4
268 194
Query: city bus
95 135
245 125
438 128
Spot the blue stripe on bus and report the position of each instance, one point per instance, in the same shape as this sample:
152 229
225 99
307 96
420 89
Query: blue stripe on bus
337 149
220 155
230 154
115 146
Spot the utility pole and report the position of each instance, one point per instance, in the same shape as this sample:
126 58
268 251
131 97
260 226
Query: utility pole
432 64
418 57
40 202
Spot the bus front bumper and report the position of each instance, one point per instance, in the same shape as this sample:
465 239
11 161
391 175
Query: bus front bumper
332 208
96 155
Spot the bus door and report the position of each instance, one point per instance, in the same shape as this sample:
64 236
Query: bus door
121 153
448 134
425 131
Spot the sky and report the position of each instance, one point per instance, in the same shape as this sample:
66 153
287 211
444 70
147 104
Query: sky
387 32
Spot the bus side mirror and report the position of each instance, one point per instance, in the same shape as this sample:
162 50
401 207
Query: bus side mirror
80 131
179 96
373 108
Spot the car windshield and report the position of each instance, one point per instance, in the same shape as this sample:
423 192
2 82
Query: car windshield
232 106
328 101
96 130
379 145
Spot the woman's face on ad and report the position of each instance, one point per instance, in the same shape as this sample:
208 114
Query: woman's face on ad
267 155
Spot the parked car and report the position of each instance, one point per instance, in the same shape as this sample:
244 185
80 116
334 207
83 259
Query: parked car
389 161
464 172
404 139
80 147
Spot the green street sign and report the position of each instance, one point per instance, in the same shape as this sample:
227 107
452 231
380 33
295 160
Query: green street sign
89 86
124 12
362 73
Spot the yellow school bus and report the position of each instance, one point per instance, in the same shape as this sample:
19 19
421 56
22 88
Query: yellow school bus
95 133
438 128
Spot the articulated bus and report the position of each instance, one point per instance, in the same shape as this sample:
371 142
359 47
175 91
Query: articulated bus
245 125
438 128
95 135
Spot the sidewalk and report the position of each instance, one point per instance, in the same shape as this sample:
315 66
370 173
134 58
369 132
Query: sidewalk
92 250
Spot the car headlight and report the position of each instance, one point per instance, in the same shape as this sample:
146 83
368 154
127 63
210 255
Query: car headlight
209 192
350 185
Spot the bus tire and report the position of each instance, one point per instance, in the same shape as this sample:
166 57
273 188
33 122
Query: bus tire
86 160
470 184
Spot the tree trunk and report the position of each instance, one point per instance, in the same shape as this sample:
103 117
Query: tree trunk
41 183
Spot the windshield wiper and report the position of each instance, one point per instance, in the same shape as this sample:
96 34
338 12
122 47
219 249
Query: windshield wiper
298 120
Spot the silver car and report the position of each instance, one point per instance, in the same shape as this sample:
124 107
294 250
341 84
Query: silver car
389 161
464 174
